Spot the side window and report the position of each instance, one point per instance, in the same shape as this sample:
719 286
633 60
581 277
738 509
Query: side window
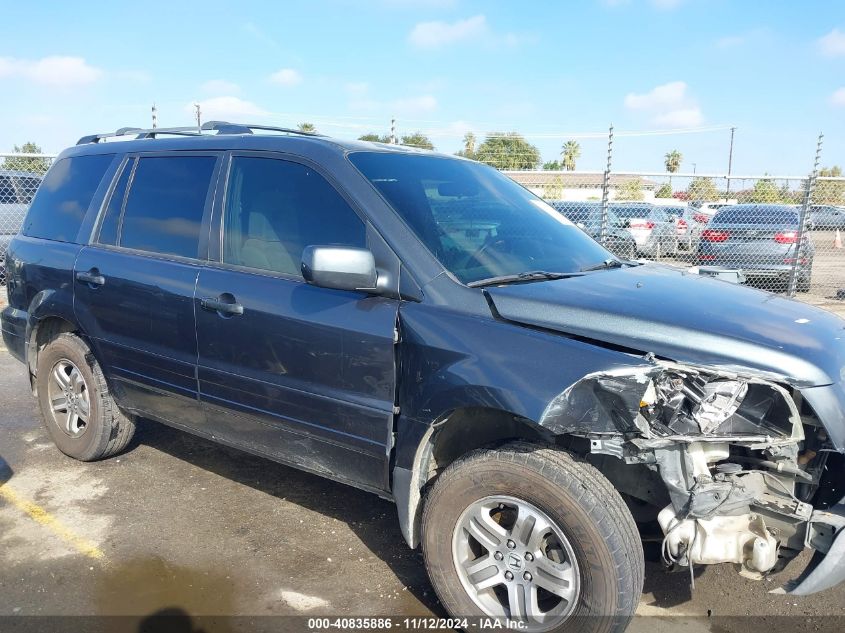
63 198
111 217
275 208
165 204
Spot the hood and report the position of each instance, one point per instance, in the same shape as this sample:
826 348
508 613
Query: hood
686 318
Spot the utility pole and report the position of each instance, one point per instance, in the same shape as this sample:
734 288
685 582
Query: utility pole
730 165
199 116
393 131
693 169
155 116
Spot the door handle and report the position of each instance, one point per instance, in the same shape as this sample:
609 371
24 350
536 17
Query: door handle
223 307
92 277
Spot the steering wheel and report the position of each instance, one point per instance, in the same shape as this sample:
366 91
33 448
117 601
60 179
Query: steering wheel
506 245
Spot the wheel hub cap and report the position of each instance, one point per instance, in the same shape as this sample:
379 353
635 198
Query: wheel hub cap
68 394
516 563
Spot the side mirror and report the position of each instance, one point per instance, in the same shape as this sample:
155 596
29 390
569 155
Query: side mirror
340 268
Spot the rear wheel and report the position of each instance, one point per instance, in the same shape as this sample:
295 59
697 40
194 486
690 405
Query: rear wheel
529 534
77 409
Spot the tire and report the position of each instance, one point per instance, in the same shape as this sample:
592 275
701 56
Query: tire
99 429
576 500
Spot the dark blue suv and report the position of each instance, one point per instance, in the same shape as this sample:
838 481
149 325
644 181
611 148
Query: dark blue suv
420 326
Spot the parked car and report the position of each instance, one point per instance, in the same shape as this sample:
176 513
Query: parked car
762 241
16 191
651 226
826 216
587 216
420 326
689 223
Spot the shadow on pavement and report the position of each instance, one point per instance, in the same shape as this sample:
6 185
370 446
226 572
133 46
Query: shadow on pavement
373 520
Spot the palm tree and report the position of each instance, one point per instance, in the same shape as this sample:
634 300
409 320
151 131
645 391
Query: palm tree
672 160
570 152
308 128
469 146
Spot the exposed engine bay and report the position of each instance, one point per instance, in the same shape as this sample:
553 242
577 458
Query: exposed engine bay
740 458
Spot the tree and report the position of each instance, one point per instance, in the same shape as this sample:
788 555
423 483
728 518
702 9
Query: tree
23 163
374 138
672 160
630 189
417 139
701 189
469 146
830 191
552 165
764 190
308 128
508 150
553 190
665 191
570 152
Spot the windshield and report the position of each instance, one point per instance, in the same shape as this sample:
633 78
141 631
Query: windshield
478 223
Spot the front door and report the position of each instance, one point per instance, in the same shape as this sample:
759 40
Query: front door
302 374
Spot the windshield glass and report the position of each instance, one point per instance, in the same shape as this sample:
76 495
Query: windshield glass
478 223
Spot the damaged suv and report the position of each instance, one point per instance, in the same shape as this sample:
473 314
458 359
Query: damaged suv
422 327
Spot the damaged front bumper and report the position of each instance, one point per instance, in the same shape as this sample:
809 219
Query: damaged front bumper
741 457
826 534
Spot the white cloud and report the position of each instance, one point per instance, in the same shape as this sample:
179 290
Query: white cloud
431 35
228 108
682 117
287 77
220 86
668 105
55 70
832 44
666 95
838 98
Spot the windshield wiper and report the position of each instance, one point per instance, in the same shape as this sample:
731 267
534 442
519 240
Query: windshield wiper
531 275
609 263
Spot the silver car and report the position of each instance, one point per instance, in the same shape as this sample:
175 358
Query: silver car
652 227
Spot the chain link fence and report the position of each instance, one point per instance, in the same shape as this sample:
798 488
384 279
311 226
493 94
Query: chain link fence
20 175
778 233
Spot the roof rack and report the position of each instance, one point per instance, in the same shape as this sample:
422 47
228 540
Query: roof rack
224 127
221 127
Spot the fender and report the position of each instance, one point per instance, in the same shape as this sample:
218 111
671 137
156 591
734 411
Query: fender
45 304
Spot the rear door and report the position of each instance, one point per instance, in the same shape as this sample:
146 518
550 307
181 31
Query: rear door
134 286
302 374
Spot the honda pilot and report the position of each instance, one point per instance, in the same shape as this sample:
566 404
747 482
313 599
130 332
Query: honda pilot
420 326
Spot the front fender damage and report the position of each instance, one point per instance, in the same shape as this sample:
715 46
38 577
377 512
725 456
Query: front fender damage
739 457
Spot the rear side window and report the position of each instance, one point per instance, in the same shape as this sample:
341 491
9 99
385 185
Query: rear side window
165 205
63 198
275 208
757 215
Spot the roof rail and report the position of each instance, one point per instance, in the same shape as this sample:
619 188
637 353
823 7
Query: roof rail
224 127
221 127
140 133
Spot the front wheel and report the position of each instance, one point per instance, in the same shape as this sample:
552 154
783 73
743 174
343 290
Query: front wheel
529 534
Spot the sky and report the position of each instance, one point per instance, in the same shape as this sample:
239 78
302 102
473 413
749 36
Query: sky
668 74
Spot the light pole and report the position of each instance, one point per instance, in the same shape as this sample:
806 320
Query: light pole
693 169
730 165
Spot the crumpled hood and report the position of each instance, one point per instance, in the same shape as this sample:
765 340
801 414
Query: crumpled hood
686 318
